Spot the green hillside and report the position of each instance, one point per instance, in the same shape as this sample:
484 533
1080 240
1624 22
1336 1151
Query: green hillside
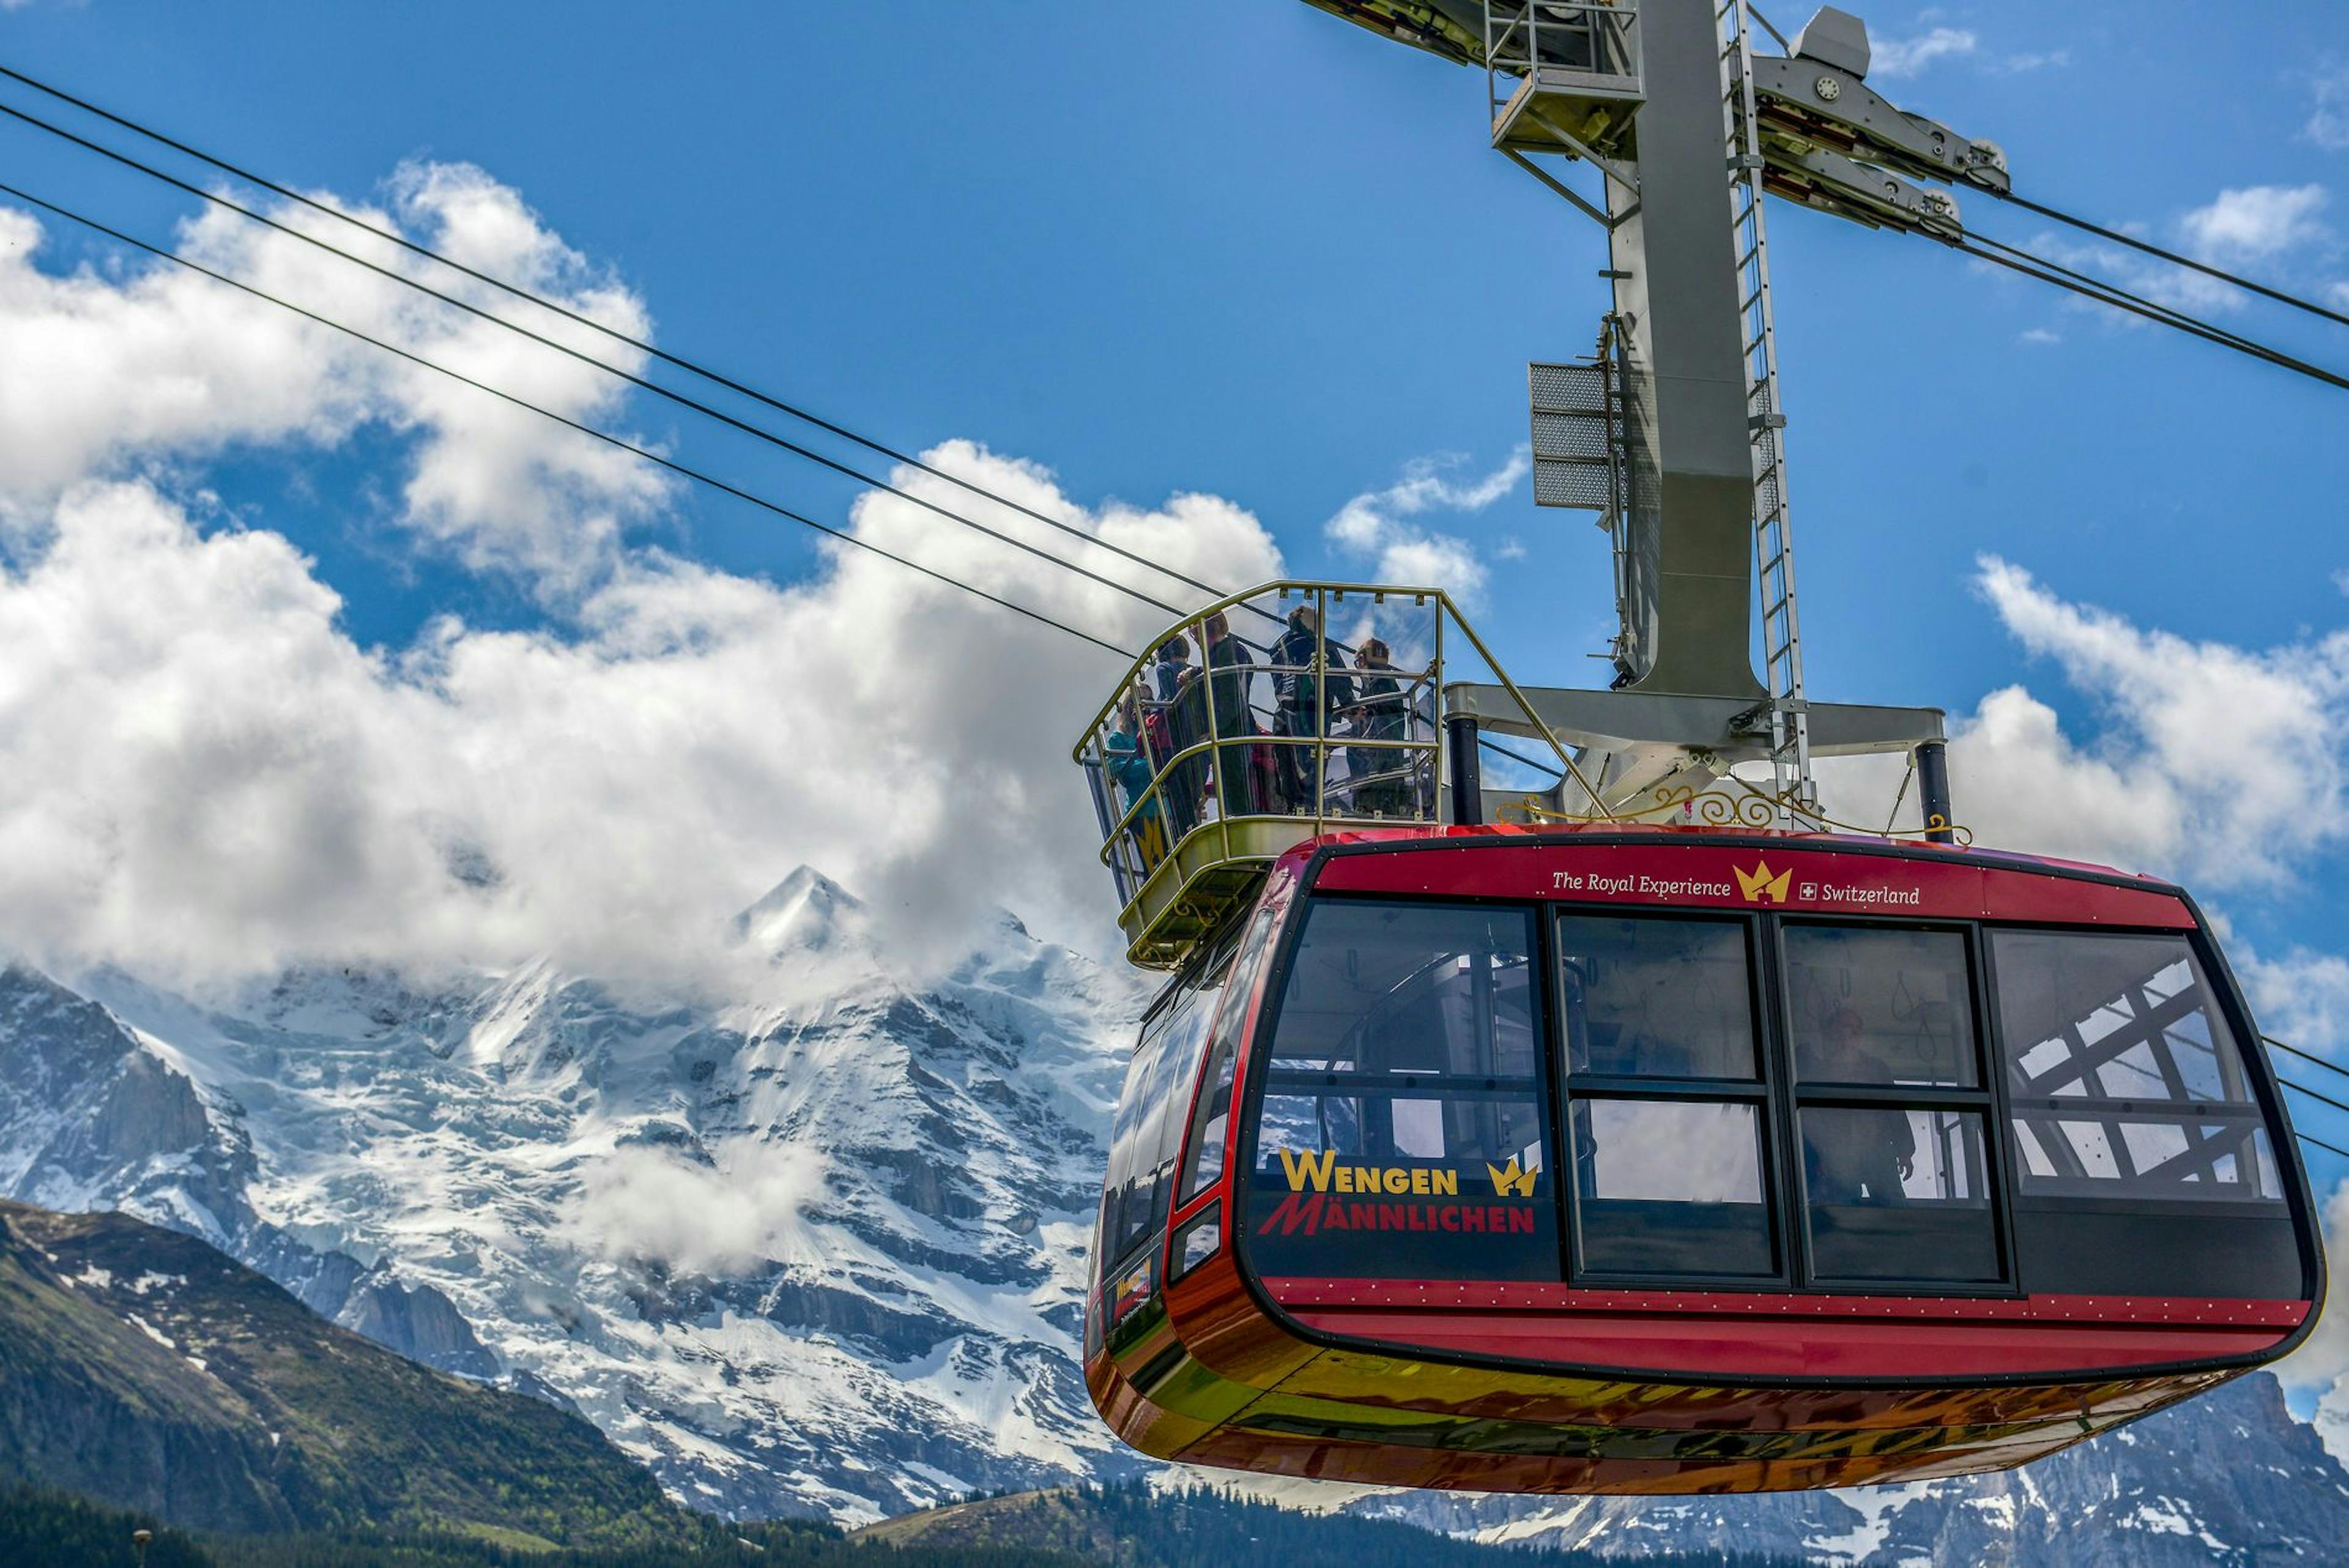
144 1369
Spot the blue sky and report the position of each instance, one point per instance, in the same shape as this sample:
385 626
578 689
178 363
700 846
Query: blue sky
1232 246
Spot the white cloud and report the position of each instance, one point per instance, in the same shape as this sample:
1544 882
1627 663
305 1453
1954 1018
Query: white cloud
2041 338
2257 221
649 1203
2328 110
1377 524
1906 57
112 374
211 777
2220 764
2323 1360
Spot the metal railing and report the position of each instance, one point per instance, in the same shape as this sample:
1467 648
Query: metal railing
1265 720
1533 45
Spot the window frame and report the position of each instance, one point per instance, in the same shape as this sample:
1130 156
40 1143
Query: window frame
1987 1099
1571 1088
1777 1091
2223 998
1254 1082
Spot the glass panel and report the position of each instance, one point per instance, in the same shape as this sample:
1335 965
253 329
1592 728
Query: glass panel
2101 1033
1871 1005
1657 998
1150 1113
1403 1130
1898 1195
1670 1188
1211 1120
1126 1135
2116 1156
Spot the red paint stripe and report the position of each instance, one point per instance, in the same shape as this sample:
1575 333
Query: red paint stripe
1950 884
1746 1348
1518 1298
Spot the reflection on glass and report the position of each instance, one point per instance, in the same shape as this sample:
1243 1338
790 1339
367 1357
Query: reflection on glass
1403 1121
2107 1017
1668 1151
1657 998
2196 1161
1671 1188
2102 1032
1871 1005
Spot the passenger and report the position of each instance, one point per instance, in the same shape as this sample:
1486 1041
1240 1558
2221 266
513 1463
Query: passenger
1378 715
1856 1157
1307 701
1130 769
1184 707
1232 668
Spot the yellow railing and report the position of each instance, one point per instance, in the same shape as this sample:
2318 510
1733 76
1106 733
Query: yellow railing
1258 724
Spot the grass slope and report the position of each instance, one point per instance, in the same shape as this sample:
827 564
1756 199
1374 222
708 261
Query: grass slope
145 1369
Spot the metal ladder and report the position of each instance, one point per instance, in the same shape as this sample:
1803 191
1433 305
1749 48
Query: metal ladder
1773 538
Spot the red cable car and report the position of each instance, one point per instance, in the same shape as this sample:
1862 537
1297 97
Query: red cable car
1611 1157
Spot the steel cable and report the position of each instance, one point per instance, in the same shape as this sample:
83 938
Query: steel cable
517 291
614 370
2306 1055
586 429
2173 257
2037 267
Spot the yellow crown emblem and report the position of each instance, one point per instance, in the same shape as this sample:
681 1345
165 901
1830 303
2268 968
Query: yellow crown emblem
1513 1180
1758 886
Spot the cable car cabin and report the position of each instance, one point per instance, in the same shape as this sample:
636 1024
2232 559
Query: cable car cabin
1677 1160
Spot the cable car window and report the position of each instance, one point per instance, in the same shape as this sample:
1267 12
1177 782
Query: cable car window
1656 998
1879 1005
1404 1132
2123 1075
1899 1194
1670 1186
1211 1122
1150 1115
1892 1106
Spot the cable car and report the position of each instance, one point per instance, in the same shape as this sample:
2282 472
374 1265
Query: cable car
1638 1157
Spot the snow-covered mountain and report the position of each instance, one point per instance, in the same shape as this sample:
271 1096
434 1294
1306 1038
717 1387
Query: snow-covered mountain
815 1245
817 1249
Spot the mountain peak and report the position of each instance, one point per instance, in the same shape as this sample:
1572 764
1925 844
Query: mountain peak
806 910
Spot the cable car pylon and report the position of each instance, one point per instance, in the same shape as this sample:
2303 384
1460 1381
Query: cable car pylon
1628 1125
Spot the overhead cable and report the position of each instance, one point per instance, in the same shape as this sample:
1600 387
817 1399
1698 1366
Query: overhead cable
2311 1094
2306 1055
2173 257
674 396
2029 266
605 436
2320 1143
518 291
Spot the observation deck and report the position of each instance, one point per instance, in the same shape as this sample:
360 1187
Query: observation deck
1265 720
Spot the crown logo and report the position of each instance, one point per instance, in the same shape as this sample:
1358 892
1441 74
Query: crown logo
1513 1180
1758 886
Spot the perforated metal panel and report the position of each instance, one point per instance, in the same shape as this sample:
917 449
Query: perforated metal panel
1575 436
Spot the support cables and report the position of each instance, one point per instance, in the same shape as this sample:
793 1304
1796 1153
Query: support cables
2311 1057
606 436
616 371
517 291
2173 257
2016 259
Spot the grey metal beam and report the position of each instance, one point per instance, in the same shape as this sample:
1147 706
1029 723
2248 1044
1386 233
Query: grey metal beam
1729 728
